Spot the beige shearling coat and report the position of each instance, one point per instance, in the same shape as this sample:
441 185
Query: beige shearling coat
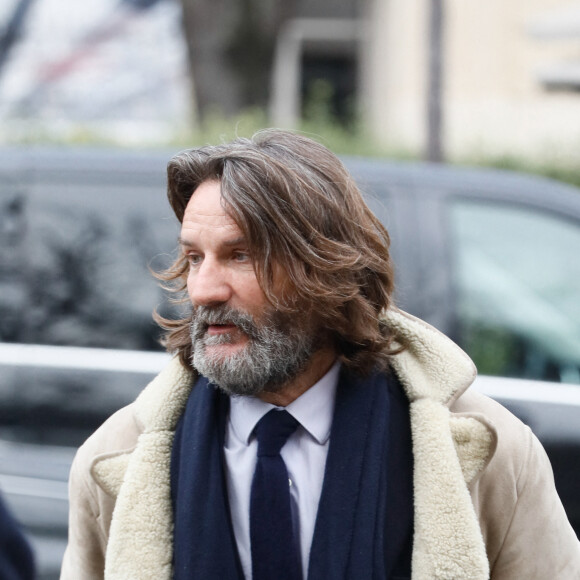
484 497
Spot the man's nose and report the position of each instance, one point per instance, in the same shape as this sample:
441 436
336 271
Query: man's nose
208 284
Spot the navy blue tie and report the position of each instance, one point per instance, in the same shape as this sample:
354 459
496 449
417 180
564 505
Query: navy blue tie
275 552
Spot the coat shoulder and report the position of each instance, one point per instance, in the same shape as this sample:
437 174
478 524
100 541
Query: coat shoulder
516 448
474 402
92 502
511 430
117 434
523 522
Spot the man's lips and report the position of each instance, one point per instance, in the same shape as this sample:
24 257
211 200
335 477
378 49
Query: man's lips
216 329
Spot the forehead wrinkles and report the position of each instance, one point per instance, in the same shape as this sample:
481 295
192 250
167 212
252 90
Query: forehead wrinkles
201 213
207 219
195 225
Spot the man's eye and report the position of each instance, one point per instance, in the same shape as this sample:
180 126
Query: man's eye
193 259
242 257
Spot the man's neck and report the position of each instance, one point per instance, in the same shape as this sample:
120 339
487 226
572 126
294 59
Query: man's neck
318 366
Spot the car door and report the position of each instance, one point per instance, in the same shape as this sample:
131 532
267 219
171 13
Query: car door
512 247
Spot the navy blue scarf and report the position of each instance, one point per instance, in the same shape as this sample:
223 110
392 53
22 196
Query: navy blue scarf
364 523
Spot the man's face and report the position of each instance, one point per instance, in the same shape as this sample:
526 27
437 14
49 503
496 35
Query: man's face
240 342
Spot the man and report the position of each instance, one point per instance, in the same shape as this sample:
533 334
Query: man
306 428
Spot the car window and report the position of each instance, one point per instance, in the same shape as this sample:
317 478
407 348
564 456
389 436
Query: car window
74 264
517 281
78 235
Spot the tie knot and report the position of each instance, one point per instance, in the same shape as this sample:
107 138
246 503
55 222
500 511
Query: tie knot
272 431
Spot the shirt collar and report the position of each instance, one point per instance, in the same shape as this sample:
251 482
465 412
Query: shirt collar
313 409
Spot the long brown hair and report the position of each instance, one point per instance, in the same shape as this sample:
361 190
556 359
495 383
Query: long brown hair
301 211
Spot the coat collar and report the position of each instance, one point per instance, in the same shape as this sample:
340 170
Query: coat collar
449 451
432 366
161 403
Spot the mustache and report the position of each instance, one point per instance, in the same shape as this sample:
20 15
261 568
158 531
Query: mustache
205 316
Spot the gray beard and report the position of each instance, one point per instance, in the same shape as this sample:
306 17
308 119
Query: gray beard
276 351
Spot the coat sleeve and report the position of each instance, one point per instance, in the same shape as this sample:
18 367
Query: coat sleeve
90 505
537 541
85 553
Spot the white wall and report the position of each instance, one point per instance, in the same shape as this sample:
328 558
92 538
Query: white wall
494 103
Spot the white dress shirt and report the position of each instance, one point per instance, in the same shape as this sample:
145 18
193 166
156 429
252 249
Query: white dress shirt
304 454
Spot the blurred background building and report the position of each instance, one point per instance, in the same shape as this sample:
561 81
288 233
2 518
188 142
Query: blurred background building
443 79
101 69
510 76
